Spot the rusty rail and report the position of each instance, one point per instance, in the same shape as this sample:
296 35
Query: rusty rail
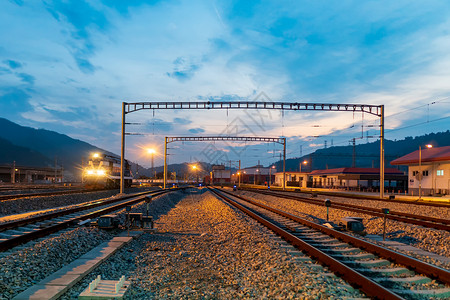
368 286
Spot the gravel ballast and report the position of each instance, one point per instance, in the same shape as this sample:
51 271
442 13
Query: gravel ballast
428 239
205 249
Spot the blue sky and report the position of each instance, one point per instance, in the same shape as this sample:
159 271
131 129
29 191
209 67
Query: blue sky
68 65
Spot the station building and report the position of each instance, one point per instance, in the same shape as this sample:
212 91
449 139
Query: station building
293 179
359 178
432 170
220 174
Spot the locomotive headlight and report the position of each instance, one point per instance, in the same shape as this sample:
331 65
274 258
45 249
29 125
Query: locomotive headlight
90 172
100 172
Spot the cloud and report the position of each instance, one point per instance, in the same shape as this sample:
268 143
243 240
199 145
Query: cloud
183 69
27 78
12 63
196 130
14 101
82 20
182 121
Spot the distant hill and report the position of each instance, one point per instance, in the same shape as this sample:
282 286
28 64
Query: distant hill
22 155
366 155
40 147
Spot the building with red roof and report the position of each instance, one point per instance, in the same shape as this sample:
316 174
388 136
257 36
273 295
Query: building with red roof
430 168
358 178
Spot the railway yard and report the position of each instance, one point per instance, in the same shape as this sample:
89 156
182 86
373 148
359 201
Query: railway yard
216 243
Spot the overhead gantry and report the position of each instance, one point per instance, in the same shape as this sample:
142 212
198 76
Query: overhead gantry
169 139
376 110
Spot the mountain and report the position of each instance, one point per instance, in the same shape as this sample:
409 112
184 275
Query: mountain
40 147
22 155
366 155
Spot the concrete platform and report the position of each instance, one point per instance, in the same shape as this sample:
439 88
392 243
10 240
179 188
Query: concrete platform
59 282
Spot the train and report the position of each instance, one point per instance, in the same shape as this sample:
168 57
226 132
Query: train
103 172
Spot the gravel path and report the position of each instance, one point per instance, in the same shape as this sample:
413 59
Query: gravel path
204 249
432 240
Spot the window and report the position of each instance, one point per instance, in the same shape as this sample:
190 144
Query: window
425 173
440 173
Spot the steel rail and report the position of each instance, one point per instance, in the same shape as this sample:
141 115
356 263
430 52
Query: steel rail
81 207
56 193
362 197
431 222
12 242
410 262
368 286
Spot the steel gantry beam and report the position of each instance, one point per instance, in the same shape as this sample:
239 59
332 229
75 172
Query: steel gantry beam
366 108
172 139
376 110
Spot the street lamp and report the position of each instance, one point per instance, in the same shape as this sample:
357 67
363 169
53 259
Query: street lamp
305 162
194 167
420 169
270 175
239 178
254 181
152 152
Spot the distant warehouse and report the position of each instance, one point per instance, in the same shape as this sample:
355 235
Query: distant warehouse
25 174
431 169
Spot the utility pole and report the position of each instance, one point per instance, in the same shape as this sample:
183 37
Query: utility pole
240 173
382 152
56 170
354 154
122 150
165 162
13 173
284 164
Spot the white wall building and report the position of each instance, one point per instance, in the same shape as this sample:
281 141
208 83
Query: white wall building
434 165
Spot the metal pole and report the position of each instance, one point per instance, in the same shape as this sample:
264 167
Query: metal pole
153 165
382 152
420 172
13 175
122 151
384 228
284 164
240 173
165 162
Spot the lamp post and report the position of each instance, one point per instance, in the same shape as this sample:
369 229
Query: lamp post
152 152
257 170
239 178
420 175
305 162
270 175
194 167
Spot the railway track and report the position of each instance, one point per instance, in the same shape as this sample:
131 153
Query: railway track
22 231
430 222
44 194
361 197
379 272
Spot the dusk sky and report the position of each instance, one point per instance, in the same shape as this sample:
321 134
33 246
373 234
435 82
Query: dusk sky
67 66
